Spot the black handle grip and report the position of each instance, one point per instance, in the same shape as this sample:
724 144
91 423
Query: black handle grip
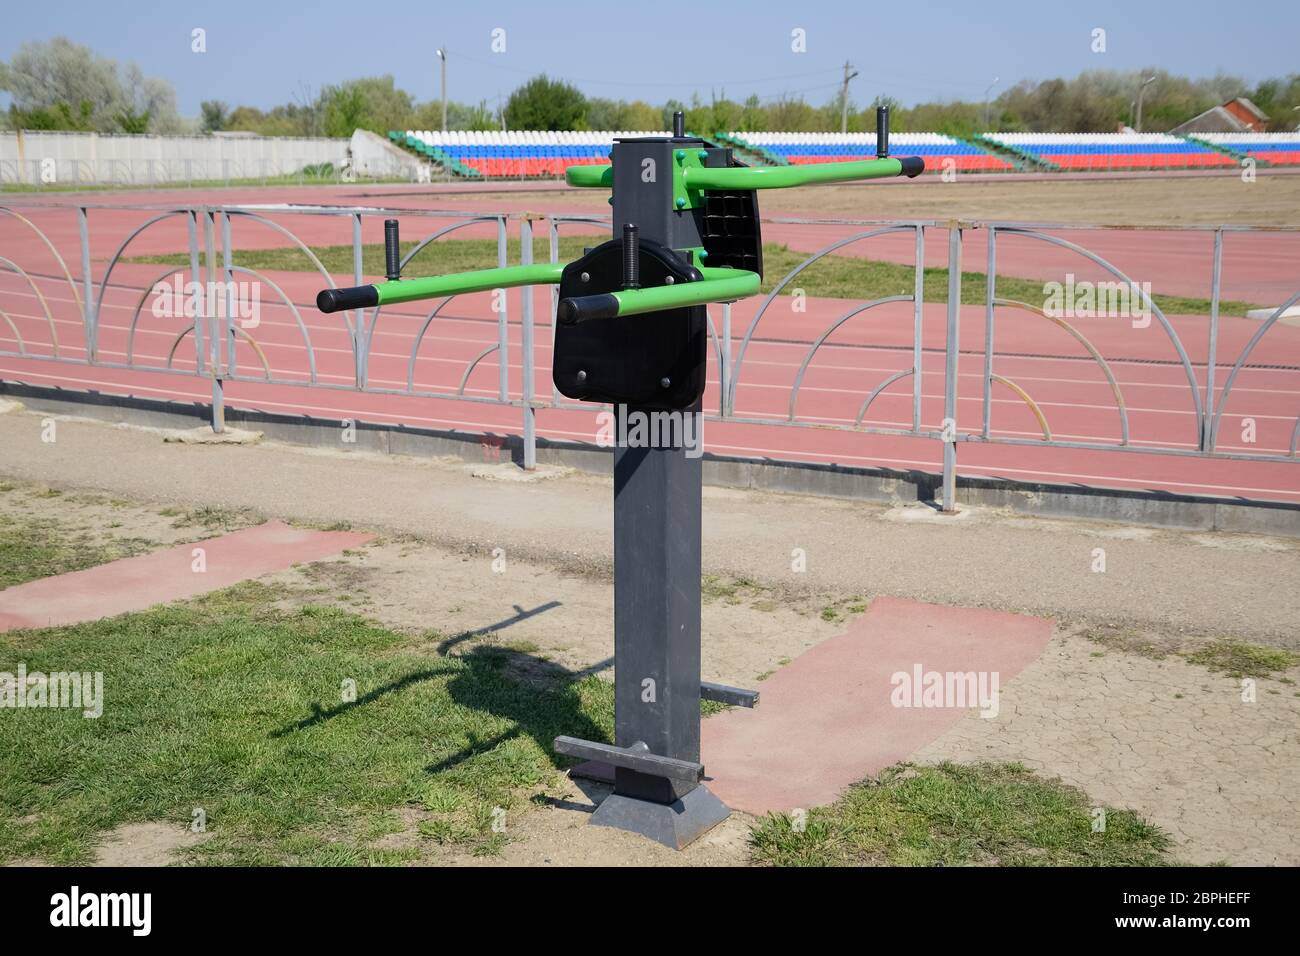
392 251
357 297
584 308
913 166
882 132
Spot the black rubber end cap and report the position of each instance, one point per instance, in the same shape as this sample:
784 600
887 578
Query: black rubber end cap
584 308
913 166
357 297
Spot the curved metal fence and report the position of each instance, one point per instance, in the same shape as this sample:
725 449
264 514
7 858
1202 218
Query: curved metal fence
226 350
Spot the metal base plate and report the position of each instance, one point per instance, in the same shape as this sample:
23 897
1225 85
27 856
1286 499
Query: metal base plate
675 825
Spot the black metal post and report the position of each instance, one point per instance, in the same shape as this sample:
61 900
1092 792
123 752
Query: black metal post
392 251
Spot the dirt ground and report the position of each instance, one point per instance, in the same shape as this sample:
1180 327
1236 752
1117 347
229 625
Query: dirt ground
1132 726
1272 199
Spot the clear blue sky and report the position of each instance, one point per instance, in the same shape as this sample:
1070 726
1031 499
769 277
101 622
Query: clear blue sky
262 53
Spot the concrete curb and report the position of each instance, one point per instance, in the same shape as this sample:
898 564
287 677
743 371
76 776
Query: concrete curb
1121 505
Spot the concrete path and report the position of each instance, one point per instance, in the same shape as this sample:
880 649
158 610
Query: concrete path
901 675
133 584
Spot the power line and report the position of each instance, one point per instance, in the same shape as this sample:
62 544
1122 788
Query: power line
608 82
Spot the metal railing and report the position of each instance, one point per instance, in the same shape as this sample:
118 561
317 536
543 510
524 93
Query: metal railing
217 358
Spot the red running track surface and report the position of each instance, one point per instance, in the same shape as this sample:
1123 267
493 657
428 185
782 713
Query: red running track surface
1036 355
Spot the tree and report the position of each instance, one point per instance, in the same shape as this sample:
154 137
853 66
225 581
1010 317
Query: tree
373 103
545 104
213 115
129 121
70 86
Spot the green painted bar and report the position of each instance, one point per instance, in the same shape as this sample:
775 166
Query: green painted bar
593 176
482 280
718 285
781 177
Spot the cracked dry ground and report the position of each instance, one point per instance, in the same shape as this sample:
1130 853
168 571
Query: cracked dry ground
1164 737
1132 727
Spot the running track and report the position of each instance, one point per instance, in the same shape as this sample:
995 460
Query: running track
1036 355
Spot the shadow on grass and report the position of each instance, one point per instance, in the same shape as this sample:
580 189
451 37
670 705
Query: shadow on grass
538 697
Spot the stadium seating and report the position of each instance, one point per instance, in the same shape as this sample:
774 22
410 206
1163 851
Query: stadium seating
494 153
799 148
1275 149
497 154
1106 151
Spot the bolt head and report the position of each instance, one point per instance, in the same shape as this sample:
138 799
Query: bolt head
681 202
582 376
670 280
703 154
665 382
585 277
680 154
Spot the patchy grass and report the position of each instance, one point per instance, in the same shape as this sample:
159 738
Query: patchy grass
236 706
32 548
211 519
833 276
1243 659
732 591
959 815
1129 641
1227 655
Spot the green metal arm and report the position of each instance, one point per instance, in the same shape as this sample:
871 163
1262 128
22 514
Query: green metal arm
432 287
717 285
783 177
763 177
592 176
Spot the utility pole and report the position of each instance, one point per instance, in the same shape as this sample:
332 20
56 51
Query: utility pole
442 55
987 91
844 96
1142 88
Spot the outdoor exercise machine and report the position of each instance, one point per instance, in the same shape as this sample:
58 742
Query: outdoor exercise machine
631 331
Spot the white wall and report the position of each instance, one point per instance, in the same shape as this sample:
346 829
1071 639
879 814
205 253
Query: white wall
374 157
92 158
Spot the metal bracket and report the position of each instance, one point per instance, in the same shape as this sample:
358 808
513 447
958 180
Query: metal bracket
637 757
722 694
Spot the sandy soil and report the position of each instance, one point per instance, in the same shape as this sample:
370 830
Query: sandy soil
1162 736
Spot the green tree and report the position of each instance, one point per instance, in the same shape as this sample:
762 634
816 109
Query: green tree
545 104
129 121
53 81
213 115
372 103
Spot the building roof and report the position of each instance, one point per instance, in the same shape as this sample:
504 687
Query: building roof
1214 120
1258 113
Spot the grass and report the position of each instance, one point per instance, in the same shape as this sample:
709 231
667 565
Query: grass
959 815
211 519
833 276
1243 659
32 548
1227 655
234 706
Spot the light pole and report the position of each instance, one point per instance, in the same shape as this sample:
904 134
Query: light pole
1142 88
844 96
442 55
987 91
